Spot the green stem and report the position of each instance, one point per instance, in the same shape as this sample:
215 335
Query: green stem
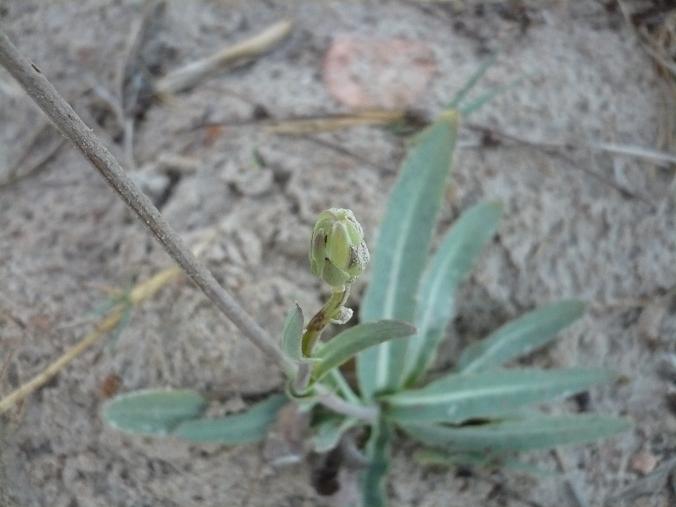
343 386
323 318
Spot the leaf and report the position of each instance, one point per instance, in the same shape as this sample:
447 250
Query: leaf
449 266
378 452
292 333
539 432
520 336
402 248
459 397
471 82
248 426
484 99
153 411
329 432
345 345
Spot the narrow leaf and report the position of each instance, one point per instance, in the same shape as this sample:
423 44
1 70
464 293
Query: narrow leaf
450 265
459 397
152 411
248 426
292 333
541 432
484 99
373 478
471 82
329 432
402 248
345 345
520 336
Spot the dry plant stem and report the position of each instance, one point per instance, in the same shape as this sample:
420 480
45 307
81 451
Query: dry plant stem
304 126
138 294
191 74
70 124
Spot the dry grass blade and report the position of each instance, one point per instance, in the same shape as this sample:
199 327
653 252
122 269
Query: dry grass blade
191 74
137 295
312 125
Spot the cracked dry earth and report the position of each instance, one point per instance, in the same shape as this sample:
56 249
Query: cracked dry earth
577 223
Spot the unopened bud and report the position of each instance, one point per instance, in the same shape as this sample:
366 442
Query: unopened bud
338 253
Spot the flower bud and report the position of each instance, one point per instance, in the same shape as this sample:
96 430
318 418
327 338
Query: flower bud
338 253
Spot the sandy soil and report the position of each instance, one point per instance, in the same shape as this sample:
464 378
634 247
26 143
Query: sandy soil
583 224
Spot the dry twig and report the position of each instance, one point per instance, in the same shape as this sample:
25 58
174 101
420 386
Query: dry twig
137 295
71 125
189 75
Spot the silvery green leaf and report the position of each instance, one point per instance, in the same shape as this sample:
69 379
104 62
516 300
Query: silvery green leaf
484 99
450 265
152 411
329 432
248 426
459 397
350 342
292 333
539 432
520 336
471 82
402 248
378 452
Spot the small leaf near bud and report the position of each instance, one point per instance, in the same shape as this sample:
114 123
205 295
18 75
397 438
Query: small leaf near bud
338 253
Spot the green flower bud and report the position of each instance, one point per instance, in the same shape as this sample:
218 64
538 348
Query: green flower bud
338 253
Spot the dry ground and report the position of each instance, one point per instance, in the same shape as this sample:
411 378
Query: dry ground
577 223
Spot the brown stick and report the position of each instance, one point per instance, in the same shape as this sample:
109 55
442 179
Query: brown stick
71 125
188 76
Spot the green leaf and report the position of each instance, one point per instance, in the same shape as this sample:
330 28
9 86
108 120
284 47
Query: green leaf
484 99
541 432
449 266
471 82
378 452
329 432
292 333
248 426
520 336
459 397
153 411
402 248
345 345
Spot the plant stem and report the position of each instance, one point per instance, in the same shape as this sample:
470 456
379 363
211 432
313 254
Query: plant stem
71 125
323 318
367 413
343 386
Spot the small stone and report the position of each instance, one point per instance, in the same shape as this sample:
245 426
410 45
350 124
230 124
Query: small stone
643 462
